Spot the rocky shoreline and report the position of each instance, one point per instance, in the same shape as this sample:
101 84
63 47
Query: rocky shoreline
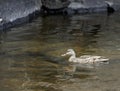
21 11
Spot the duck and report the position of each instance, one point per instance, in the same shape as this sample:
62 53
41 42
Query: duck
84 59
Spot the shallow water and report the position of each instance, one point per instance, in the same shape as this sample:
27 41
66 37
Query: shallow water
30 55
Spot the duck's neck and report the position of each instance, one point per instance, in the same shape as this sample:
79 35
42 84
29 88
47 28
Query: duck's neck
72 57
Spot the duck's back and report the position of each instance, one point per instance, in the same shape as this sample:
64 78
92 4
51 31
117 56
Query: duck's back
88 56
91 59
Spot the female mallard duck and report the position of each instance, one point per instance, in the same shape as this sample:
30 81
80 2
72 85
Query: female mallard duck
84 58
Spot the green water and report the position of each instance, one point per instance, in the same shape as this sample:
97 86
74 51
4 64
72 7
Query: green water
30 55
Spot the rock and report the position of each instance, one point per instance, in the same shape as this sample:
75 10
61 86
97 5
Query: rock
87 6
90 6
15 12
54 6
18 11
79 6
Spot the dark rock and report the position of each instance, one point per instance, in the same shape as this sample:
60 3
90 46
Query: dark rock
54 6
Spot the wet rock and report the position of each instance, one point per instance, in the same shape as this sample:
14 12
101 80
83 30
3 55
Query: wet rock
94 5
79 6
87 6
18 11
54 6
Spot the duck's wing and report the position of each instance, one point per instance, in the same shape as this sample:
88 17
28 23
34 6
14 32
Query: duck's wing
102 60
99 59
89 56
85 56
96 57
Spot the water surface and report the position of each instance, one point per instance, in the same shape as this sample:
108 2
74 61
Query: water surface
30 55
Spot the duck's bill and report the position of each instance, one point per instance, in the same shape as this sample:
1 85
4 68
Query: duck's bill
63 55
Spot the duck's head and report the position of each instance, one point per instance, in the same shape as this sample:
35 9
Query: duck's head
69 52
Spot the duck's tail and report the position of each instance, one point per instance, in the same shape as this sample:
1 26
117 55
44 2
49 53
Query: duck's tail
103 60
